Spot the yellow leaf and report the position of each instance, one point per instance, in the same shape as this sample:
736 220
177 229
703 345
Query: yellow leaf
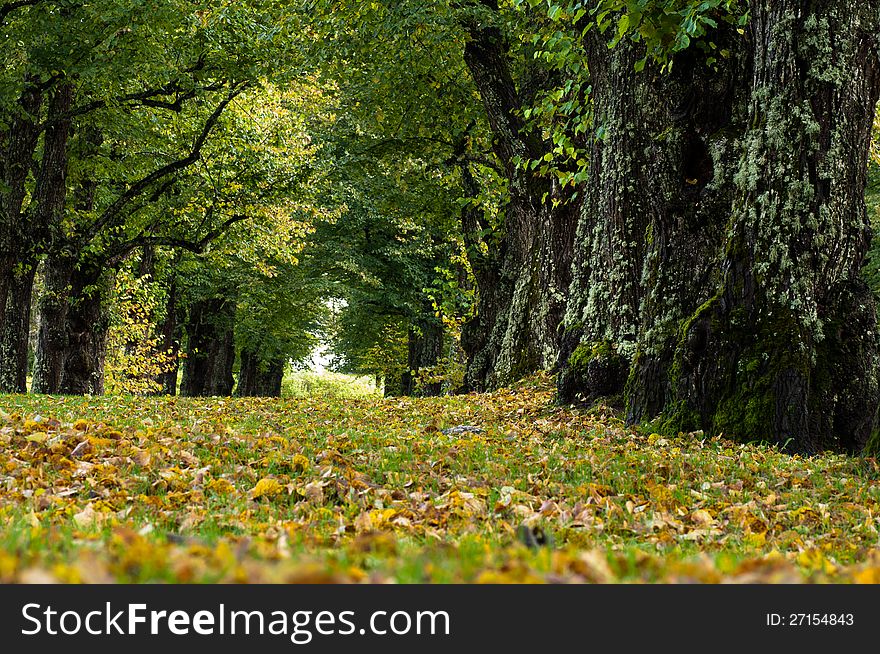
300 463
266 488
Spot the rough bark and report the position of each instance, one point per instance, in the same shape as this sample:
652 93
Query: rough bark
603 314
258 377
210 349
786 349
522 284
18 143
88 323
690 181
719 254
52 335
14 333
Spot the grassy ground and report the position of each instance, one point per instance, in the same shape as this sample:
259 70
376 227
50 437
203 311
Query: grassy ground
371 490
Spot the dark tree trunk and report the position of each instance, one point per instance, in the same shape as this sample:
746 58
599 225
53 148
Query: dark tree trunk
602 317
88 322
523 281
690 181
26 236
52 337
649 227
14 333
74 322
742 308
786 349
258 377
18 143
425 345
210 349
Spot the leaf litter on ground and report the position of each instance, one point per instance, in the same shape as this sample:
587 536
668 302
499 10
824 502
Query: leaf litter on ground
502 487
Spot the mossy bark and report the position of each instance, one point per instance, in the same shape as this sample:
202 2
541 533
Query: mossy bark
737 288
605 294
786 350
690 182
522 283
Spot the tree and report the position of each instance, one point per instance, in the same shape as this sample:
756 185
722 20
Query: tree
758 179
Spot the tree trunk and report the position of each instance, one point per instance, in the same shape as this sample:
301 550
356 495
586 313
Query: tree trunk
14 333
522 294
73 325
259 378
26 236
210 350
52 337
690 181
18 143
742 308
602 317
88 322
786 350
425 344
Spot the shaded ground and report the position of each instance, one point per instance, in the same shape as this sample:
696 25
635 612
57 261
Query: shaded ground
372 490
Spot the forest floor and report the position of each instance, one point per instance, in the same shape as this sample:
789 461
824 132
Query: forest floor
372 490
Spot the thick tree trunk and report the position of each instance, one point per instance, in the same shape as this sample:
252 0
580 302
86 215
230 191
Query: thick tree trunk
210 350
88 322
14 332
259 378
52 337
649 227
741 309
425 345
73 326
18 143
523 281
690 181
786 350
602 318
32 232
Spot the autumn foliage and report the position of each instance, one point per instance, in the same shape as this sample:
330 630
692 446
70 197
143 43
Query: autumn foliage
374 490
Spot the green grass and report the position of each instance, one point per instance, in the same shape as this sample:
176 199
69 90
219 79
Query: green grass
299 383
369 489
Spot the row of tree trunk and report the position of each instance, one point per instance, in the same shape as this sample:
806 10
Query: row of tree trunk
713 278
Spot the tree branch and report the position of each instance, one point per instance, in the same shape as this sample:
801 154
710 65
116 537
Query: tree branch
145 98
122 250
144 183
